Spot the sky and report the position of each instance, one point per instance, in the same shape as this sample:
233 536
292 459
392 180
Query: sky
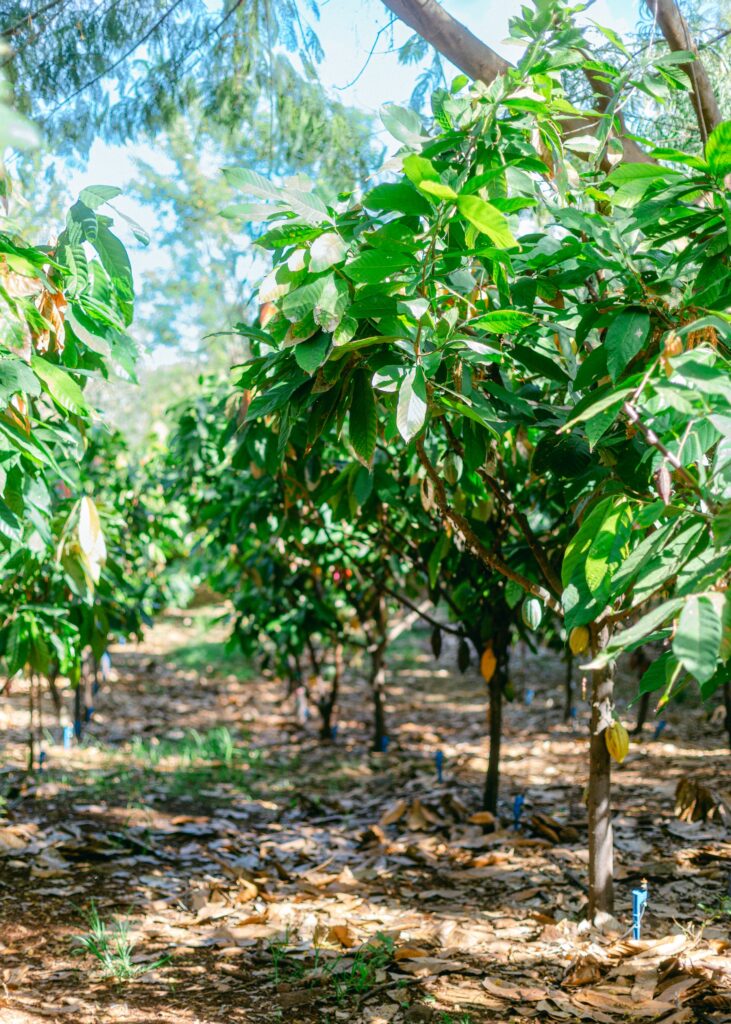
348 30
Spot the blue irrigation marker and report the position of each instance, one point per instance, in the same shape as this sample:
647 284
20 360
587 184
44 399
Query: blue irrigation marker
333 732
639 906
528 697
88 712
384 744
439 762
573 713
41 760
68 733
659 728
518 809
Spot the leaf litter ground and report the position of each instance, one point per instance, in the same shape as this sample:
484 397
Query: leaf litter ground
279 879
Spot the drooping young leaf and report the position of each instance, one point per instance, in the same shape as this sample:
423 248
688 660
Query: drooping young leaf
626 336
363 418
94 195
504 321
487 219
374 265
718 149
62 387
697 640
311 354
411 407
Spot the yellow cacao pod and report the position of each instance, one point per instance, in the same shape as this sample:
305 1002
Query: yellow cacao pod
579 639
488 664
616 738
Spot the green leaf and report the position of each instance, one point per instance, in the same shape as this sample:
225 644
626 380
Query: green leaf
437 189
697 640
487 219
115 261
718 149
326 251
418 169
503 321
658 674
298 303
95 195
632 637
10 526
411 407
626 337
312 353
308 206
567 456
16 376
403 123
62 388
539 363
580 543
252 183
363 418
375 265
399 197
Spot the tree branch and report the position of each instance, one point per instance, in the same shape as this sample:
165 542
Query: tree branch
677 35
508 504
462 526
451 38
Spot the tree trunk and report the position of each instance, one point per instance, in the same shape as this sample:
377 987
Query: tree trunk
378 688
677 35
31 723
642 710
727 702
601 847
78 718
326 702
568 686
496 686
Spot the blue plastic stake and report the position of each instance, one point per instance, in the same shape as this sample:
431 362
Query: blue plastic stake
573 714
68 732
41 760
659 728
333 732
528 697
439 762
384 744
88 712
639 905
518 809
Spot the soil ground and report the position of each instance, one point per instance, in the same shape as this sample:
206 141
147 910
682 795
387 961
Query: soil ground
262 876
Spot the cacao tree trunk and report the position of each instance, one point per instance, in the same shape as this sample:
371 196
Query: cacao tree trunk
327 701
496 687
568 686
727 702
378 688
601 844
31 725
642 710
78 712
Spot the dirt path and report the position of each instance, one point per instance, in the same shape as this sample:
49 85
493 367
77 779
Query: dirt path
283 880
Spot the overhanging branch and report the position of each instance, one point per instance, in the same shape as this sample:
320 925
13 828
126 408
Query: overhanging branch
677 35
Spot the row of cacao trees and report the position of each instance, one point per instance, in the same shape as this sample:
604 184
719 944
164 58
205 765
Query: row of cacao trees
498 378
